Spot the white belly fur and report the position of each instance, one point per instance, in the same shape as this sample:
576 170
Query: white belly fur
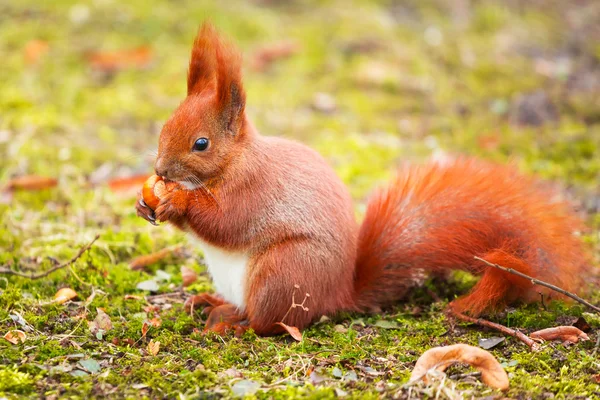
228 271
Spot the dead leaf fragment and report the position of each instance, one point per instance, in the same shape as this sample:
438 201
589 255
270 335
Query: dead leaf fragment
156 322
127 185
292 330
112 61
144 261
188 275
34 50
145 327
64 295
101 323
31 182
153 347
564 333
268 54
15 336
440 358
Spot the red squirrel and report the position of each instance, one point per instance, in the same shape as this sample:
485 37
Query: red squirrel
273 220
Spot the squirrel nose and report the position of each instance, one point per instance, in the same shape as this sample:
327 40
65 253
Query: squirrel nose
159 167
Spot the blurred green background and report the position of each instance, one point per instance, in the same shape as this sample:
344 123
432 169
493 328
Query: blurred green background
84 90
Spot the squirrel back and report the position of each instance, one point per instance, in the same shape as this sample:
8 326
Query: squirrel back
440 216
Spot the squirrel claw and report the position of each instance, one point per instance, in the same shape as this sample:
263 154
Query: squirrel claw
145 212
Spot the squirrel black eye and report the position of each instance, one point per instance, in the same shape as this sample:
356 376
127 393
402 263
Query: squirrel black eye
200 144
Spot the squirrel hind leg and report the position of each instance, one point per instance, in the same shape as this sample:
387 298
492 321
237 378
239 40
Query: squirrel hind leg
496 288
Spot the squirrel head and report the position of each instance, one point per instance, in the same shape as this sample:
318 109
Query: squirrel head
206 131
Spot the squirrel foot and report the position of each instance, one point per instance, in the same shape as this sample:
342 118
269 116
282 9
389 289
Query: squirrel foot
224 318
206 301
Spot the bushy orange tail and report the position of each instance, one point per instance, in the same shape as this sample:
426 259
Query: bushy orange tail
439 216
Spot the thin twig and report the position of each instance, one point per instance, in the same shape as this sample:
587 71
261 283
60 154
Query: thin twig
500 328
51 270
541 283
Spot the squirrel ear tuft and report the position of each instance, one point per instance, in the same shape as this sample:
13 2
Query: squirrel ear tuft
231 98
202 62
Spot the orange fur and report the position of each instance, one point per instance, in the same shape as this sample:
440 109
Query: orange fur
438 217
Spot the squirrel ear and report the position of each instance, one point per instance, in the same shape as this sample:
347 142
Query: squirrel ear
202 62
231 98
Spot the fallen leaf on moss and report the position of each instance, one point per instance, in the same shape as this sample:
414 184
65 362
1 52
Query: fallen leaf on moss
188 275
15 336
90 365
245 387
156 322
488 343
564 333
100 324
145 327
292 330
64 295
440 358
111 61
153 347
144 261
268 54
31 182
150 285
34 50
127 185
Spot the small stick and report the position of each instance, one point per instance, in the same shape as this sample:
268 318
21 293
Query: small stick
85 248
500 328
541 283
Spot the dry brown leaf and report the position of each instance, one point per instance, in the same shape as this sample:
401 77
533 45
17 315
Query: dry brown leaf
564 333
34 50
111 61
145 327
156 322
144 261
188 275
127 185
153 347
64 295
267 55
15 336
440 358
31 182
132 297
292 330
102 322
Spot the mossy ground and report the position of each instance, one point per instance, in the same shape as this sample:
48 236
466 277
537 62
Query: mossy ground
501 80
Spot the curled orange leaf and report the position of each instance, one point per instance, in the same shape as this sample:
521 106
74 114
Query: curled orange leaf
142 262
112 61
440 358
188 275
15 336
292 330
31 182
64 295
153 347
564 333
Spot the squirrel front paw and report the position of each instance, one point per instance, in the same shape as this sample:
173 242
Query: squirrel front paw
172 206
144 211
